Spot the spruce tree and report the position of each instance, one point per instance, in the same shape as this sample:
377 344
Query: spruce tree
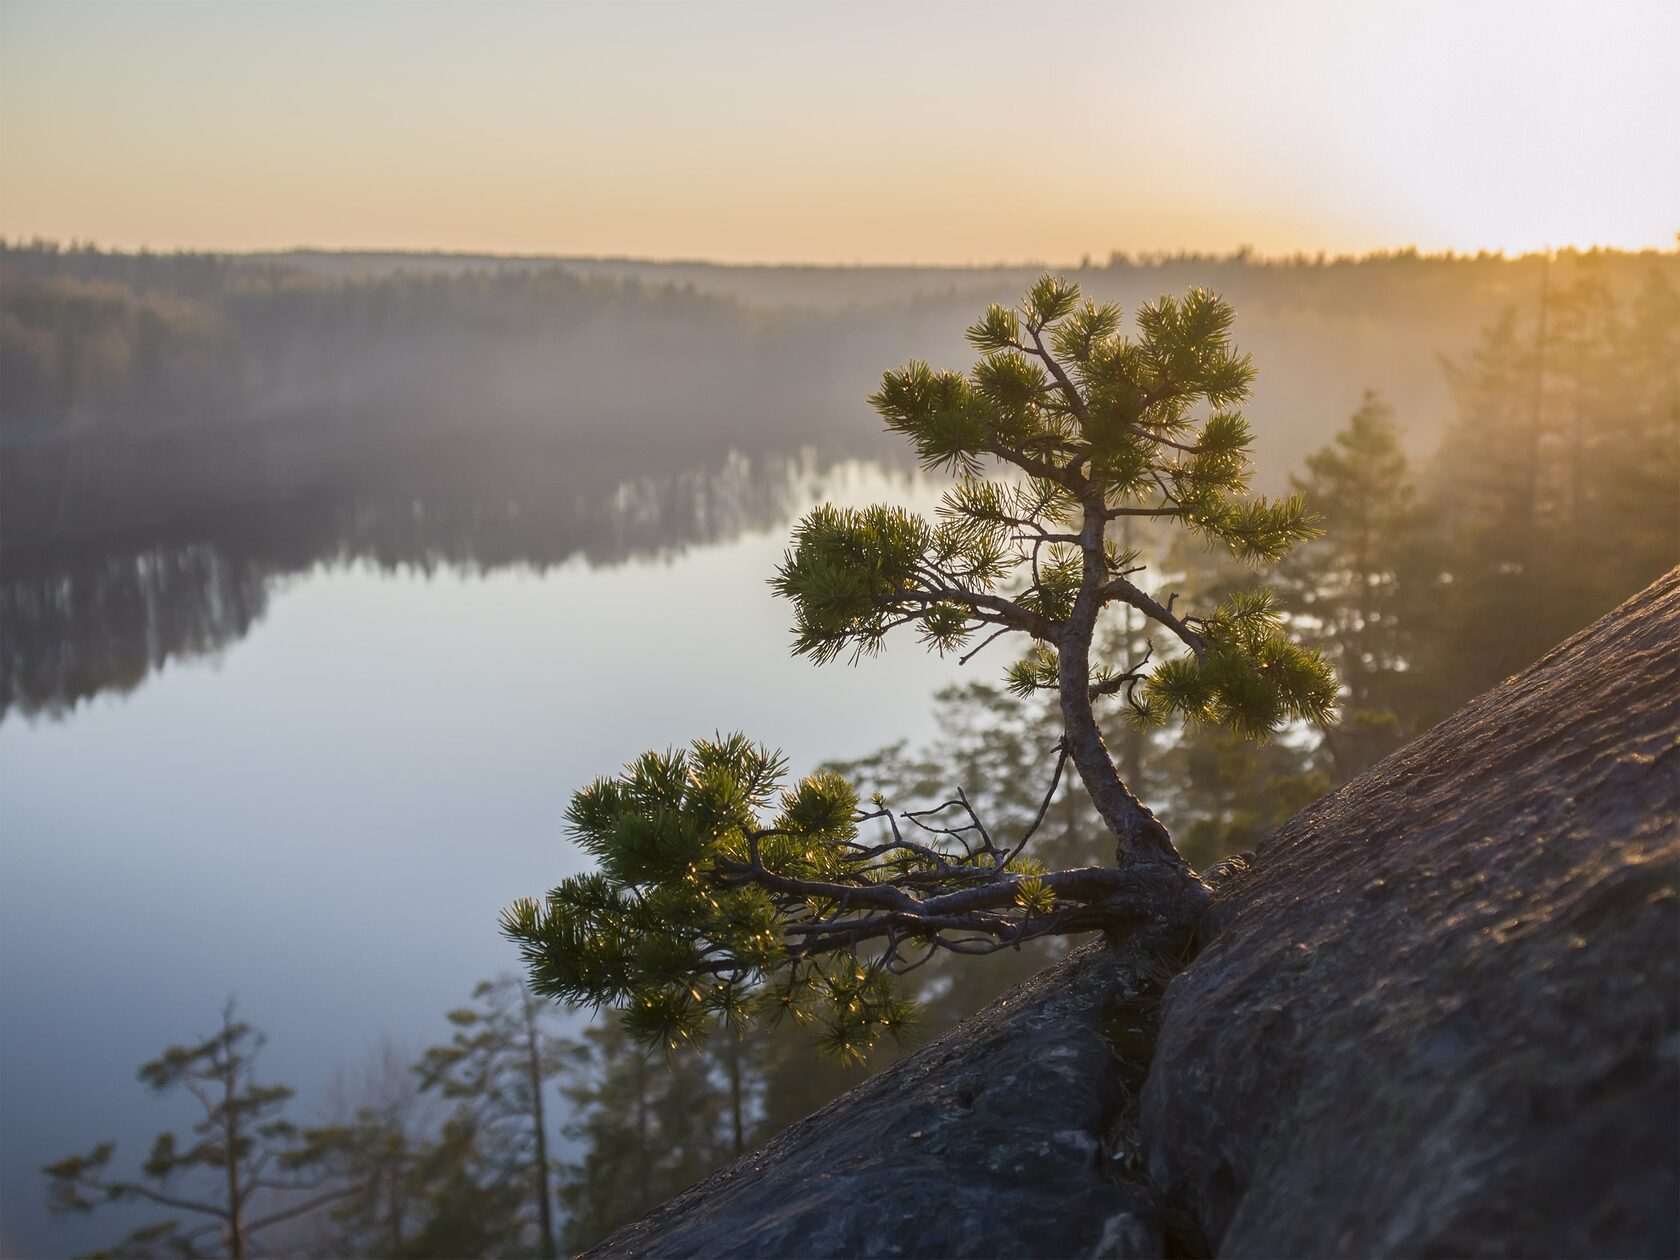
721 895
425 1186
648 1129
1555 486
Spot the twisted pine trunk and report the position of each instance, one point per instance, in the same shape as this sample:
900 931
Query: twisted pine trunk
1139 835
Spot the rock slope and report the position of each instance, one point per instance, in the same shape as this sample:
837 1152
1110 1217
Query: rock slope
1437 1015
1009 1136
1440 1015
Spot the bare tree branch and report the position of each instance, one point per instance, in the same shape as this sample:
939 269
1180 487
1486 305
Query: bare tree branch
128 1188
299 1209
1123 591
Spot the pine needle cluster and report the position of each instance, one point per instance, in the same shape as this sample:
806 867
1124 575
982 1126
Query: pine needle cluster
696 911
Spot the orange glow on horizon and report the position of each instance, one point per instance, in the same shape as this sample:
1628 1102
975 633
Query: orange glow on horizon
818 134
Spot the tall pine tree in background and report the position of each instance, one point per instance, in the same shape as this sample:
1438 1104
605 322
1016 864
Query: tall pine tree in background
1629 491
1555 489
244 1169
497 1068
650 1125
1354 592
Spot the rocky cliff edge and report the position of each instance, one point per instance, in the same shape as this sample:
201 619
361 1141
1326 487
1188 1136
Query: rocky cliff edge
1438 1014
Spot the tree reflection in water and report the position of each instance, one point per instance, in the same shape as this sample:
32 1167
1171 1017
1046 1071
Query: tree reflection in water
89 615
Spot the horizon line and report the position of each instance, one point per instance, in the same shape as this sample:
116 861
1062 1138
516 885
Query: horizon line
1244 254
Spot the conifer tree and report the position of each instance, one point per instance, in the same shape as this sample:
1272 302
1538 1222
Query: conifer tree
1352 584
721 896
375 1136
648 1128
243 1147
497 1067
1624 395
1554 487
425 1187
465 1204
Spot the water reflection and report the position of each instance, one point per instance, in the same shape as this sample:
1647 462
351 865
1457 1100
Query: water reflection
69 631
90 615
329 822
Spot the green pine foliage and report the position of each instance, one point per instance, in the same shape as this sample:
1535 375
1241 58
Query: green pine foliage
721 897
1102 428
1250 677
678 929
1080 420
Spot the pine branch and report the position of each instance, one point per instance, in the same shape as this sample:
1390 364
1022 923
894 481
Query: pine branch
300 1209
1119 589
1076 402
126 1189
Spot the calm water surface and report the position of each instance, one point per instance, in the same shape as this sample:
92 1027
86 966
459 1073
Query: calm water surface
325 816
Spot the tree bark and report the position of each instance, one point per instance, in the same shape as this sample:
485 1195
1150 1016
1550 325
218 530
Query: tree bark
230 1137
1139 835
538 1122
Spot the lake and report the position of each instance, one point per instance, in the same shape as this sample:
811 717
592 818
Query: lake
310 776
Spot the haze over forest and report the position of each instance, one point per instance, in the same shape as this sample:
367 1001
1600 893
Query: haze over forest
425 409
184 436
342 361
403 408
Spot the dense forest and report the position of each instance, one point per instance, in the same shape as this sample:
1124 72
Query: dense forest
342 365
1554 494
179 430
1460 545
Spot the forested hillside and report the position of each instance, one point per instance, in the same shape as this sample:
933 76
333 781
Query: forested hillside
1553 494
1494 447
218 378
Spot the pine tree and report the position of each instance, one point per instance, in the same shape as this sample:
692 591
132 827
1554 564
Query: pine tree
425 1187
1232 793
497 1067
720 896
649 1128
375 1137
466 1203
1353 585
242 1148
1626 493
1555 486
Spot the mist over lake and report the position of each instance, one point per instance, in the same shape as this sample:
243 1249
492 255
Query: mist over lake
828 630
328 579
359 761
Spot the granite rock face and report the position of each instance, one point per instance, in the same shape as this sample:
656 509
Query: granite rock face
1437 1015
1012 1135
1440 1013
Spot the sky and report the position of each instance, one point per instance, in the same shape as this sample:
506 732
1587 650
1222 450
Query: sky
841 133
